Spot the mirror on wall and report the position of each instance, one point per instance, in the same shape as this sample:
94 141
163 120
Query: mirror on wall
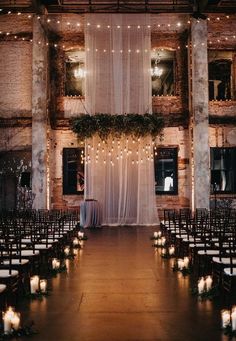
162 72
74 73
220 75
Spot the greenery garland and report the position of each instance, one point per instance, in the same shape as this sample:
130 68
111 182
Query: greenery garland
105 125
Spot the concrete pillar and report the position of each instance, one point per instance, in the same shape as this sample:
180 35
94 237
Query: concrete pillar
39 115
200 99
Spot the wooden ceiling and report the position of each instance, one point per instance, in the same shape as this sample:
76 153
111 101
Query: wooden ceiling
121 6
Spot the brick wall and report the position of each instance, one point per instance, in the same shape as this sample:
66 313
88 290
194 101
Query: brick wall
16 78
17 138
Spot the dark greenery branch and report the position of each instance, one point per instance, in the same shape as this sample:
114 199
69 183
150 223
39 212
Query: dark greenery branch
105 125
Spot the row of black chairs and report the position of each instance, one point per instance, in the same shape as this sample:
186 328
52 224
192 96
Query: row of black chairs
29 240
208 237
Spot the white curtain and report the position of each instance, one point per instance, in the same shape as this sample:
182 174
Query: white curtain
119 172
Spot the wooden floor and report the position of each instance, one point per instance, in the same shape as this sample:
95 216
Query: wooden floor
119 289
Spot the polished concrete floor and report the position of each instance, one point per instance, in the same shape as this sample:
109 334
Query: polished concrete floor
119 289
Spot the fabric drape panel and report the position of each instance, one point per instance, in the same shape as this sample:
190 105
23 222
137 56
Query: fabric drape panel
120 172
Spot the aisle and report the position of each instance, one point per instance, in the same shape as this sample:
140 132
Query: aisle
119 289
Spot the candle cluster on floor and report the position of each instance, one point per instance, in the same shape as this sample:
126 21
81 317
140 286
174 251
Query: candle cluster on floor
11 321
38 287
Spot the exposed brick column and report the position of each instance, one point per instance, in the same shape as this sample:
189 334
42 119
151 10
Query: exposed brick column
201 152
39 115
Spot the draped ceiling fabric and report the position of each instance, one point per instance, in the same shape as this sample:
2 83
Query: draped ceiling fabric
119 173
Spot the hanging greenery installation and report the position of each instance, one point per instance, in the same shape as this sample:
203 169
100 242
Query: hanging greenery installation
105 125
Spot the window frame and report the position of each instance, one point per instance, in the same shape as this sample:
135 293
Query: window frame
213 190
162 61
66 173
175 169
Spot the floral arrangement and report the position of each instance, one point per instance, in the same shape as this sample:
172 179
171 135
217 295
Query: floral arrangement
105 125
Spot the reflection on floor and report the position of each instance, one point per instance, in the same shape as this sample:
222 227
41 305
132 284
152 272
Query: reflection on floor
118 288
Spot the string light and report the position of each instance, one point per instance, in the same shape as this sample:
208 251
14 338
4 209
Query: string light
55 20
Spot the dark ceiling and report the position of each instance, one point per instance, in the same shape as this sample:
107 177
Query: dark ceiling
121 6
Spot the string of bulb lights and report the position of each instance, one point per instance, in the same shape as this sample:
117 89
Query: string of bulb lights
55 21
118 149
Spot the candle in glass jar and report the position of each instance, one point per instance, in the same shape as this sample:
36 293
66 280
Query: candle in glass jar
201 285
34 284
67 250
163 252
15 321
7 318
58 264
186 262
54 263
225 318
159 242
43 285
75 252
208 283
163 241
180 264
155 234
171 250
75 241
81 234
233 318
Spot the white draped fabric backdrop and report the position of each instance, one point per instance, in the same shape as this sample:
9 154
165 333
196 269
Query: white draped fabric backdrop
119 173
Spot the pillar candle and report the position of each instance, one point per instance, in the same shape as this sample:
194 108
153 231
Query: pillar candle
186 262
67 250
54 263
201 285
43 285
163 241
7 318
225 317
171 250
34 284
81 234
163 252
15 321
208 283
180 263
233 318
75 241
6 324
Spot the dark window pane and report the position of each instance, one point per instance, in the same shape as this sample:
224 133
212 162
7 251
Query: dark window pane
165 161
223 170
220 75
73 171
